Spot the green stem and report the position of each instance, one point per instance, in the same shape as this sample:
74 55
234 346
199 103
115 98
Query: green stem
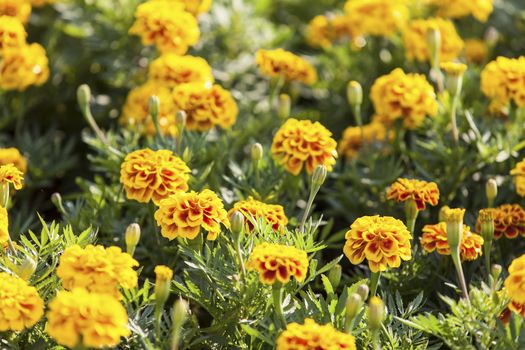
459 270
375 339
239 256
158 318
486 251
374 282
453 121
277 298
313 193
180 134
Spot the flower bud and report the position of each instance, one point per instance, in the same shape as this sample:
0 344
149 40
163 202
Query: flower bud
179 316
237 223
486 219
441 216
491 190
354 93
56 199
257 152
319 176
411 210
434 45
26 268
353 305
187 155
495 271
180 119
454 220
154 107
162 284
455 73
363 291
132 237
284 105
376 313
83 96
334 275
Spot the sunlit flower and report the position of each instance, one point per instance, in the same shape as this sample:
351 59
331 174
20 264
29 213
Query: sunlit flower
476 50
205 105
515 282
323 31
23 67
4 225
166 25
186 214
171 70
519 177
355 137
255 210
383 241
281 63
434 237
13 156
480 9
416 43
453 68
312 336
79 318
278 263
163 273
194 7
19 9
153 175
503 80
12 33
305 143
11 175
376 17
408 97
97 269
509 221
518 308
421 192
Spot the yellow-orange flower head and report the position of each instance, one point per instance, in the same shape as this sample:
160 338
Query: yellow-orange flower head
503 80
13 156
205 105
135 113
281 63
408 97
19 9
419 191
453 68
354 138
23 67
11 175
434 237
312 336
383 240
480 9
166 25
416 43
195 7
20 305
509 221
255 210
323 31
476 51
4 226
303 143
185 214
278 263
376 17
97 269
153 175
79 318
12 33
519 177
163 273
171 70
515 283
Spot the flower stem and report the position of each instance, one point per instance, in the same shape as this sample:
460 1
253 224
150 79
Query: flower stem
459 270
239 256
374 282
277 298
453 120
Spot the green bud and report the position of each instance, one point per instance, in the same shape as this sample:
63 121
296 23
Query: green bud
334 275
26 268
353 305
454 220
354 93
495 271
132 237
376 313
284 105
154 107
363 291
434 45
83 96
319 176
56 199
486 219
237 223
187 155
257 152
491 190
180 119
179 316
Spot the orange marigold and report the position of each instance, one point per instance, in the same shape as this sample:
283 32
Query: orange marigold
480 9
19 9
509 221
171 70
305 143
518 308
12 33
23 67
185 214
519 177
515 282
277 262
194 7
434 237
281 63
153 175
255 210
419 191
11 175
383 240
355 137
322 31
13 156
476 51
376 17
503 80
408 97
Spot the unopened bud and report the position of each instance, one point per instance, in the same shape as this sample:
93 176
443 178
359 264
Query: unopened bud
491 190
486 220
495 271
187 155
257 152
363 291
237 223
319 176
179 316
26 268
180 119
132 237
353 305
354 93
376 313
334 275
454 220
56 199
434 45
83 96
442 210
284 106
162 284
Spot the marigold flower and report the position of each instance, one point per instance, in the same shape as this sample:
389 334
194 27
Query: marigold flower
184 214
419 191
305 143
4 225
383 241
515 282
312 336
434 237
13 156
162 284
163 273
19 9
480 9
278 263
79 318
11 175
255 210
518 308
453 68
476 51
153 175
376 17
171 70
322 31
97 269
354 138
23 67
519 177
409 97
194 7
509 221
416 44
503 80
12 33
281 63
165 24
205 105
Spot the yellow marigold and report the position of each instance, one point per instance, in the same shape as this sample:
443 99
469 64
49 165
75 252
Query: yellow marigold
354 138
503 80
135 113
383 240
255 210
12 33
20 305
515 283
11 175
205 105
434 237
163 273
13 156
278 62
409 97
509 221
277 262
19 9
41 3
322 31
476 50
305 143
165 24
4 225
171 70
416 43
453 68
376 17
79 318
419 191
519 177
312 336
518 308
153 175
185 214
23 67
97 269
194 7
480 9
